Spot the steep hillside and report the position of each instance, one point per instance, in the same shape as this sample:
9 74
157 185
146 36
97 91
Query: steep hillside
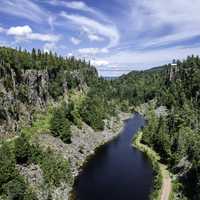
30 81
53 115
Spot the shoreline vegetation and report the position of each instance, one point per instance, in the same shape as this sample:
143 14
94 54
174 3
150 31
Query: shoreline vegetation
162 184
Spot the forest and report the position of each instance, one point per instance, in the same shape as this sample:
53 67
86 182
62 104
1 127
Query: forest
176 137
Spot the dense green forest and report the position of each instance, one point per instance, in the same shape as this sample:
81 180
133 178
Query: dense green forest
176 136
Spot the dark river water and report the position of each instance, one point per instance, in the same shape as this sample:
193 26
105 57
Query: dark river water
117 171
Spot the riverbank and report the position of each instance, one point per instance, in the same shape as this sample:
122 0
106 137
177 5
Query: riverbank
162 183
84 143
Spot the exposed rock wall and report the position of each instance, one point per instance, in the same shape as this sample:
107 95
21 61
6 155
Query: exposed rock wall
22 92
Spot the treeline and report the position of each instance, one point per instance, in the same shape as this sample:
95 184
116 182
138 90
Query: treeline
75 71
137 87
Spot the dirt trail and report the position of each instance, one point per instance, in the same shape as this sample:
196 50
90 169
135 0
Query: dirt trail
166 185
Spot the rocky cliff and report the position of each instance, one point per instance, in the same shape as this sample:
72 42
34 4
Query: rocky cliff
22 92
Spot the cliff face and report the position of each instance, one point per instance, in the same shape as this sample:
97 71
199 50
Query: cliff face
21 93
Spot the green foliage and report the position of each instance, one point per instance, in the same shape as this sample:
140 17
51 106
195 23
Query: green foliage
12 185
124 106
155 162
63 73
22 149
157 181
55 169
40 124
15 189
7 165
30 195
92 112
176 137
60 125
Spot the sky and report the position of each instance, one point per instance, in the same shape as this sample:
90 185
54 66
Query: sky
117 36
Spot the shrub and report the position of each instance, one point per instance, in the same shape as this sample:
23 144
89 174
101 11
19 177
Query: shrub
15 189
92 112
60 125
22 149
7 165
55 169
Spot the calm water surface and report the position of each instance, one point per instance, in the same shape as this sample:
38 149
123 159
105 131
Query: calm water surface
117 171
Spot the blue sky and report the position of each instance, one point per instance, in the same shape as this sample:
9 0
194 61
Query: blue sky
116 35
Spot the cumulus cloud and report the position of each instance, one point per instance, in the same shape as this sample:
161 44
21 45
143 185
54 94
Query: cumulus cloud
19 31
75 40
26 33
105 30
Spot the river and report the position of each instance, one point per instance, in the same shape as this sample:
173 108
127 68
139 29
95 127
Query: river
117 171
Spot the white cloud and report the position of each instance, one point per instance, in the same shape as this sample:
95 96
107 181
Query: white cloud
78 5
26 33
126 61
19 30
92 51
23 8
43 37
70 54
170 21
136 60
105 30
93 37
75 41
51 21
99 63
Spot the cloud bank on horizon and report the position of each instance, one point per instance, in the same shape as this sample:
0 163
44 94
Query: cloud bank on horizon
116 36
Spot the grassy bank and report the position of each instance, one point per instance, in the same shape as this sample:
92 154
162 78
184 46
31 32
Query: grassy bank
160 170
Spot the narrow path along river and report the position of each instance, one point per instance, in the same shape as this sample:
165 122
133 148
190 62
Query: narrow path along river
117 171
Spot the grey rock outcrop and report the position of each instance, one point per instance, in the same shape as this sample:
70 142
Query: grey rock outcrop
22 92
